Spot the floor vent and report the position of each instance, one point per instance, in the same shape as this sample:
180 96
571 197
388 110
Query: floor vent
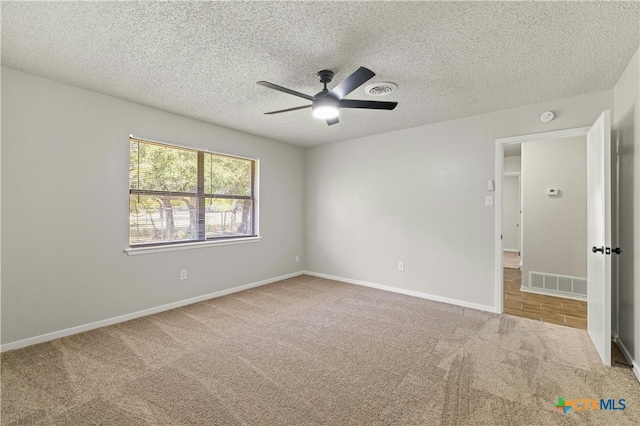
556 285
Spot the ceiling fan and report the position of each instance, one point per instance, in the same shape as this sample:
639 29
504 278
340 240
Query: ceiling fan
326 104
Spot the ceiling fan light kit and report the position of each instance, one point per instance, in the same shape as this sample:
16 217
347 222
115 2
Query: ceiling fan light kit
326 104
325 111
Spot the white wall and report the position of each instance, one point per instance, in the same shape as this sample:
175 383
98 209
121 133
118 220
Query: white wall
512 164
626 123
555 227
417 195
65 181
510 212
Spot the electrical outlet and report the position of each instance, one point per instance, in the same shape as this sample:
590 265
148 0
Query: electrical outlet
183 274
297 258
401 266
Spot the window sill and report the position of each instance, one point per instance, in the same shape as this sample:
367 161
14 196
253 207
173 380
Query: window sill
189 246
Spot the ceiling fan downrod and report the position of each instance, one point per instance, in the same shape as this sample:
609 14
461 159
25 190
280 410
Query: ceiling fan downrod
325 76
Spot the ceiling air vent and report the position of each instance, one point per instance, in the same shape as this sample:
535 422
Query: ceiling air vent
380 89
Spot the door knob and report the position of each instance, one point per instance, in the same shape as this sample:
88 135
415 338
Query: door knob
617 250
596 249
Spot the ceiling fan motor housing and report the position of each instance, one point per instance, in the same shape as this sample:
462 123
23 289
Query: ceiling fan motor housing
324 106
325 76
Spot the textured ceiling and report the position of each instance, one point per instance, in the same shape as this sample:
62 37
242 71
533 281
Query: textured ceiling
449 59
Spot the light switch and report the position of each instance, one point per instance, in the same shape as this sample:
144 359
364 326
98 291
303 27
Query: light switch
488 200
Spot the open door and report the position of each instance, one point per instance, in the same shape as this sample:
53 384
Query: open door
599 235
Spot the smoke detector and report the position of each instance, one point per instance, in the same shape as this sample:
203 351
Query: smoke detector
380 89
547 116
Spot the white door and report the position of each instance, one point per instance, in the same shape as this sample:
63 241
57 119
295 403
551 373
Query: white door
599 235
520 262
510 213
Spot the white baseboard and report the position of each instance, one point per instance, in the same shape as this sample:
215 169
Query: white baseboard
627 355
122 318
413 293
510 250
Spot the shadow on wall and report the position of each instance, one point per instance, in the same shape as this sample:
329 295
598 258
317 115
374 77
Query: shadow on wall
627 222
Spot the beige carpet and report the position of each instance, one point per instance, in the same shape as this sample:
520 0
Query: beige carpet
510 260
312 351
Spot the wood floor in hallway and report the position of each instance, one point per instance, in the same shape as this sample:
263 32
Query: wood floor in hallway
555 310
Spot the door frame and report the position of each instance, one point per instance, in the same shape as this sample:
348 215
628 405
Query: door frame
500 143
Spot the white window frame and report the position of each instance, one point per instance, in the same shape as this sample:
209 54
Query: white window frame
159 247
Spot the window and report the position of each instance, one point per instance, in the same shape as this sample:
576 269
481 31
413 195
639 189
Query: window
179 195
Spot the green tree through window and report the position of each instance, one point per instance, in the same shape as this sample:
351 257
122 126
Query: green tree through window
183 195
